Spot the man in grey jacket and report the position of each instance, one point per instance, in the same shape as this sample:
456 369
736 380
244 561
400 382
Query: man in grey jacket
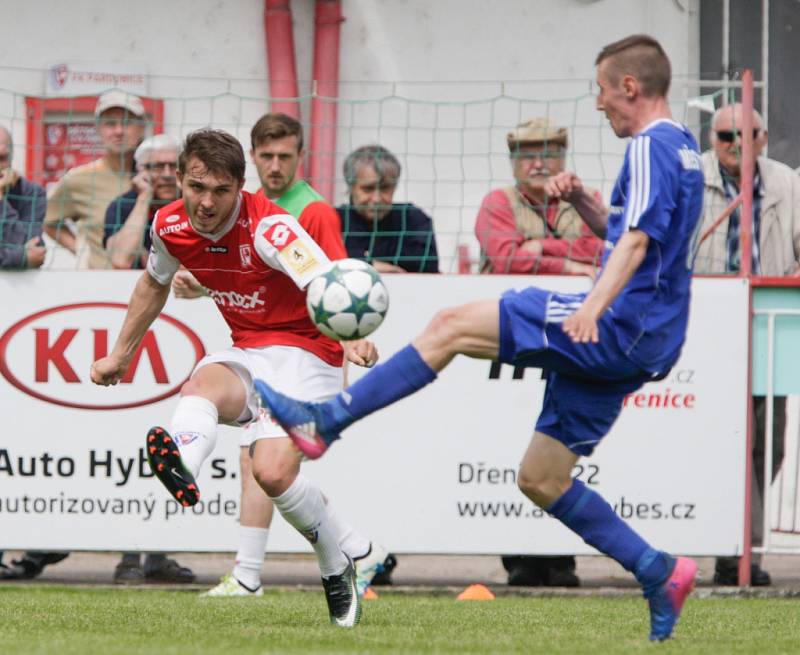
776 253
22 208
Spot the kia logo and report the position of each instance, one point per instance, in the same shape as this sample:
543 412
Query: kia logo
48 355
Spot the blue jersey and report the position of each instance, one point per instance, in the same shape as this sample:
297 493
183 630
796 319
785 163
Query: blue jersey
659 191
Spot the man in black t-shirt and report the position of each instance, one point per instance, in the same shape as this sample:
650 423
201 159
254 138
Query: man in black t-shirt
394 238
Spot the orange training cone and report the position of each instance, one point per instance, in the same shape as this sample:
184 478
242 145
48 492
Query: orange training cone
476 592
370 594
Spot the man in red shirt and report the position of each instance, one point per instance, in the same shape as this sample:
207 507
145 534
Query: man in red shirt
254 260
519 228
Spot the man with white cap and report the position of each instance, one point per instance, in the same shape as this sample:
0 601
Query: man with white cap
77 204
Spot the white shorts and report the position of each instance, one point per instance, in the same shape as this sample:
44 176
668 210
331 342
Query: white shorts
290 370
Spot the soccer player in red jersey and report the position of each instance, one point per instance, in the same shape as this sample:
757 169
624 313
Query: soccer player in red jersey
254 260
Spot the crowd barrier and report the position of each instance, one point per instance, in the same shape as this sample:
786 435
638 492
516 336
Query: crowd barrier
434 473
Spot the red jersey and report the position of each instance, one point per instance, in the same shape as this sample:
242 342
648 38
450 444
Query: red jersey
255 269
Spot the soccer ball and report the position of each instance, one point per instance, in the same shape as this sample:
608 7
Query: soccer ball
348 301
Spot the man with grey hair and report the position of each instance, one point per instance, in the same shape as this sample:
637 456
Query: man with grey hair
22 208
394 238
128 217
775 253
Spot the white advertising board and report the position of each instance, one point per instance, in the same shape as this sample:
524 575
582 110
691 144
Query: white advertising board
434 473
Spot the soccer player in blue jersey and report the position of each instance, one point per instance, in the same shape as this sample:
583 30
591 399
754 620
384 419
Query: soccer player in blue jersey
596 347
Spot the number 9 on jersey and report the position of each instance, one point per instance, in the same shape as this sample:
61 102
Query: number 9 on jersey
348 301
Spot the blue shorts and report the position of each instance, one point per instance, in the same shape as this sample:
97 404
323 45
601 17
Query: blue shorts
586 382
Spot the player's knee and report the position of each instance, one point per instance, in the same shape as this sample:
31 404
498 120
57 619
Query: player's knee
275 474
540 487
445 329
192 388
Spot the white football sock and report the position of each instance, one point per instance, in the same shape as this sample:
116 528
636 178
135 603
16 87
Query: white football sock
303 507
250 556
194 430
351 541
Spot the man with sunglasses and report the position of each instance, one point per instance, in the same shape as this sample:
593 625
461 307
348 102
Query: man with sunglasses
776 203
776 252
128 217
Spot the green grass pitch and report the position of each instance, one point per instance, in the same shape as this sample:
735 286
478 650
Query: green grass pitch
65 620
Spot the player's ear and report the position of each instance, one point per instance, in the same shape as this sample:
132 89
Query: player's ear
630 86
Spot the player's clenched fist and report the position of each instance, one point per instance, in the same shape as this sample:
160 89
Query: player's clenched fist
360 352
107 371
563 185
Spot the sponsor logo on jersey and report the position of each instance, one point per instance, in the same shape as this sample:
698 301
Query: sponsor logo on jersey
299 258
245 255
172 218
236 299
690 159
615 209
175 227
280 235
217 249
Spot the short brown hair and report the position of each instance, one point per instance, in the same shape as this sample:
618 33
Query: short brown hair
642 57
276 126
219 152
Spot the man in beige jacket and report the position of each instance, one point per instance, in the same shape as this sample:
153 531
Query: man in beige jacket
776 252
76 206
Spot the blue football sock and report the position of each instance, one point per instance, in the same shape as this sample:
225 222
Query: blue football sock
401 375
586 513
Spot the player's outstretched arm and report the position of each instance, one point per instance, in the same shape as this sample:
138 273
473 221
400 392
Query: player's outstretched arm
621 265
361 352
569 187
146 303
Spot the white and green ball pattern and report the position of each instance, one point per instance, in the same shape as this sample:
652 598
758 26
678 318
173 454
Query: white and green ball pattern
348 301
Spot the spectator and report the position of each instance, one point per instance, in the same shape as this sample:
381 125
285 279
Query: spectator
76 207
519 228
776 252
22 208
128 217
394 238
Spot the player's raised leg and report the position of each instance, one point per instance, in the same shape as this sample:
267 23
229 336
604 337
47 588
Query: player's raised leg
276 467
212 395
471 329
